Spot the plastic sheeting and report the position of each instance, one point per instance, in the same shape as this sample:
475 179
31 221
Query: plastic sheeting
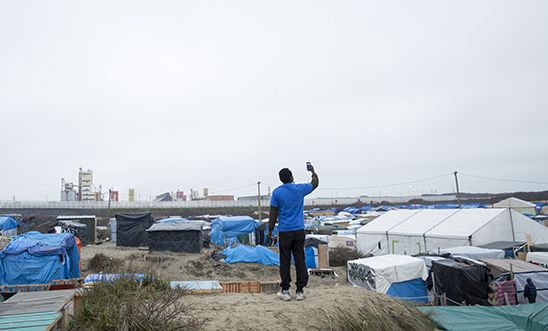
8 223
172 219
530 317
380 272
251 254
414 290
475 253
131 229
36 258
461 280
182 237
227 227
94 278
539 278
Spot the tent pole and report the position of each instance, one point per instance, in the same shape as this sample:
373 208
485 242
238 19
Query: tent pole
458 192
512 226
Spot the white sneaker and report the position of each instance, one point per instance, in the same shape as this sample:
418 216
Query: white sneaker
284 295
299 296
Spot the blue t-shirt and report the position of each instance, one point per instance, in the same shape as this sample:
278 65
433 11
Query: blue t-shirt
289 199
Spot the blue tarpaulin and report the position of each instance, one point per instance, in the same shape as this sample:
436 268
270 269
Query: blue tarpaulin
413 290
226 227
8 223
36 258
251 254
310 258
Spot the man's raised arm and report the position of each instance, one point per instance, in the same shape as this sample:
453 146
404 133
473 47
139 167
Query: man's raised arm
315 180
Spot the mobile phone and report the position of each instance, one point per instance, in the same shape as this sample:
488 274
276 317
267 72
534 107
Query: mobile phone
309 166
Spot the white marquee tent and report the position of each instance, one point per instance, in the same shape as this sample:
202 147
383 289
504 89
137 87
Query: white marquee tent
522 206
429 230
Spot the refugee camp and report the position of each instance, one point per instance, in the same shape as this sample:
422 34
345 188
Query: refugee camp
371 165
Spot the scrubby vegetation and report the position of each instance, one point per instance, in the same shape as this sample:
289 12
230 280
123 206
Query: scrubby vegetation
380 313
338 256
128 304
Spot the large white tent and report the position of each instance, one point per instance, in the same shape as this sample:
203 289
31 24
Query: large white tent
522 206
429 230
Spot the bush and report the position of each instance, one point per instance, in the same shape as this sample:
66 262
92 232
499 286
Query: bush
102 263
378 312
338 256
128 304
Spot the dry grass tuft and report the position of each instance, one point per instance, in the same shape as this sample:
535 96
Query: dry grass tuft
378 312
338 256
128 304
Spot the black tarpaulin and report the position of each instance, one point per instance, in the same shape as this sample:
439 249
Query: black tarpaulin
131 229
461 280
183 237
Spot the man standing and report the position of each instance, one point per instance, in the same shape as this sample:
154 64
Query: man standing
287 206
530 291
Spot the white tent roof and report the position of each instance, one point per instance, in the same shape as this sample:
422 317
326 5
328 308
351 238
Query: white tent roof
514 203
387 221
394 269
421 222
475 253
464 223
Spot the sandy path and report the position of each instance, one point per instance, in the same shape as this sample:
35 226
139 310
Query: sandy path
266 312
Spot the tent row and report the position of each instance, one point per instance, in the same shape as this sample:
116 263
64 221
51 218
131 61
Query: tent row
412 232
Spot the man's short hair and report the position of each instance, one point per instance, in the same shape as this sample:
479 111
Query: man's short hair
286 176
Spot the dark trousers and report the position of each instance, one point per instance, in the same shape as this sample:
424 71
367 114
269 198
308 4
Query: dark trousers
292 243
532 299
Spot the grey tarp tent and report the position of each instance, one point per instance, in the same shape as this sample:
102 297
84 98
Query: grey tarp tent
181 236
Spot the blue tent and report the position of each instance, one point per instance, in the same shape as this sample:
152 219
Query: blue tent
36 258
8 223
230 227
251 254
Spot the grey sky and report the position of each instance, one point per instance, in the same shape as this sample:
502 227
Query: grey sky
161 95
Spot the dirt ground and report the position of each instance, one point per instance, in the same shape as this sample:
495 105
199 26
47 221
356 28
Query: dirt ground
234 311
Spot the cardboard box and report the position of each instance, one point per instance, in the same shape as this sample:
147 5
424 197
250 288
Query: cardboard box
323 256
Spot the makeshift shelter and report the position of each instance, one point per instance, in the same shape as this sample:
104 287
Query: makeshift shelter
429 230
461 281
8 226
533 317
516 204
76 228
232 229
345 241
91 225
36 258
131 229
498 267
398 276
182 236
251 254
475 253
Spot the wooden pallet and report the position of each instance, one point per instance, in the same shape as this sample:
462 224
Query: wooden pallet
241 287
322 272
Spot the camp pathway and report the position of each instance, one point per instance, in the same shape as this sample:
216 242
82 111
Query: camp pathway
267 312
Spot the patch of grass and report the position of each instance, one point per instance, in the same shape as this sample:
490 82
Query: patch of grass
102 263
378 312
338 256
128 304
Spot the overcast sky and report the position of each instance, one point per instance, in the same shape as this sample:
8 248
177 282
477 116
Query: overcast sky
167 95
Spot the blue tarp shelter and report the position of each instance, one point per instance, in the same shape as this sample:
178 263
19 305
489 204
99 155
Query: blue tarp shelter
251 254
228 228
36 258
8 223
